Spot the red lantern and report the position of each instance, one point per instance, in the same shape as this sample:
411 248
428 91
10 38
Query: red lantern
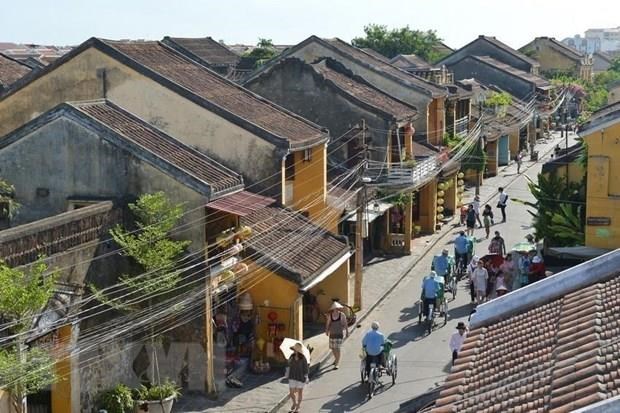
272 316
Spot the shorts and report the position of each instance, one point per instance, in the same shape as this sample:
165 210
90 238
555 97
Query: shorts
295 384
335 343
471 224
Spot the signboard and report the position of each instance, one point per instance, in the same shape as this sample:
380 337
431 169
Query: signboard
598 221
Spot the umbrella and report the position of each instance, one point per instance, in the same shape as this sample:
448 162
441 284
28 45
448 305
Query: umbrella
494 259
286 345
524 247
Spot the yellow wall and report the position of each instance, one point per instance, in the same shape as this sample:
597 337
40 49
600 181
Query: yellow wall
436 121
428 207
575 172
450 197
336 286
603 186
310 185
550 59
265 285
492 158
61 390
513 143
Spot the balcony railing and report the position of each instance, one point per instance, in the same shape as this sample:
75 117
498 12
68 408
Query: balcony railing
461 126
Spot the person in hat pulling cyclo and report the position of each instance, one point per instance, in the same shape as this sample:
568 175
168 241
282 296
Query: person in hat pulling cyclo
442 265
432 291
373 344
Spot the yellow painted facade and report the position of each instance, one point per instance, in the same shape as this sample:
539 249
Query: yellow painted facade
436 121
427 197
575 172
603 188
513 143
492 154
336 286
61 390
552 60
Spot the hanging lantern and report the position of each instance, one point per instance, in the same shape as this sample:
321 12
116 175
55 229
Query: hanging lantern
440 209
245 232
440 201
440 217
227 276
441 186
460 175
441 194
460 182
460 190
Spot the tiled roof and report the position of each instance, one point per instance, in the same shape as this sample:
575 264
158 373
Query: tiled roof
528 77
405 61
563 158
362 91
423 150
571 52
11 70
23 244
241 203
606 114
603 56
376 54
383 66
234 99
555 355
207 49
506 48
188 160
292 244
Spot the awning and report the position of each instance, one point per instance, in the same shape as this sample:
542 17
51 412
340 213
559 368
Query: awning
327 271
241 203
371 212
577 252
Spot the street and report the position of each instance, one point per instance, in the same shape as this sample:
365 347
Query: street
423 361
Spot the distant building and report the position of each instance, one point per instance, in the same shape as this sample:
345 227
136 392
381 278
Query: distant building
582 44
601 62
11 70
596 40
556 57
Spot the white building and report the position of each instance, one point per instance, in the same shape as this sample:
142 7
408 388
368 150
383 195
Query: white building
596 40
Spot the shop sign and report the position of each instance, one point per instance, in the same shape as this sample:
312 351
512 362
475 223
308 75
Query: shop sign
598 221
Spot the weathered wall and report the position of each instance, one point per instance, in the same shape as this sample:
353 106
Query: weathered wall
603 187
481 47
310 185
469 67
78 79
614 95
551 60
313 51
74 162
336 286
294 86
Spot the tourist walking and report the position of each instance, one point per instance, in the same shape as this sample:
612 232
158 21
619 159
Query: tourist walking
501 204
476 205
471 267
457 339
519 159
487 219
298 370
479 277
336 329
470 220
508 270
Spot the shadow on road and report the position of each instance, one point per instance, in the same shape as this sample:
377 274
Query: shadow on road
347 399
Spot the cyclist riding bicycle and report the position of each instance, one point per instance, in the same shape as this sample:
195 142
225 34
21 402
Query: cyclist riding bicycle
432 290
461 247
373 344
442 265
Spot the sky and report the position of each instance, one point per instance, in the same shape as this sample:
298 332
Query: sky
70 22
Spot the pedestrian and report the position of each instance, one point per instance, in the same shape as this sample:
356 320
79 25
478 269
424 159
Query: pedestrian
476 205
497 245
471 267
507 268
519 159
501 204
500 284
297 376
336 329
470 220
537 269
479 277
524 269
487 218
457 339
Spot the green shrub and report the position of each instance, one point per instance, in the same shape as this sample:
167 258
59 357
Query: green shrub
157 392
117 400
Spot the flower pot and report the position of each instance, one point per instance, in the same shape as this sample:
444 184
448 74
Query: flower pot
154 406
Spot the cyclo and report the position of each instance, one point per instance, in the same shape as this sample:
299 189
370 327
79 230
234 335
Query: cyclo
438 306
444 266
390 367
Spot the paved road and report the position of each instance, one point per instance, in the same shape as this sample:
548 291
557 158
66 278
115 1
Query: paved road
423 360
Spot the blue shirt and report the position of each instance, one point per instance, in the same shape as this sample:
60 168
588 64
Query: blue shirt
373 342
441 264
429 287
460 244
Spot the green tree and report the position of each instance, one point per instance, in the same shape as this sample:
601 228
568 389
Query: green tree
263 51
8 205
24 293
397 41
615 65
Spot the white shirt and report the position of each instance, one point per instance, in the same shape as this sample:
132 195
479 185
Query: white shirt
476 205
456 341
503 198
480 276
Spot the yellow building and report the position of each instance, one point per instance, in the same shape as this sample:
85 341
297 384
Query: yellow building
565 164
602 136
556 57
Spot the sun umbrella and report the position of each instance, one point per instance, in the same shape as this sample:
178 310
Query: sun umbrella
524 247
286 345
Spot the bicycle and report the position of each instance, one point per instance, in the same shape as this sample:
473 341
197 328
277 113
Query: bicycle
376 371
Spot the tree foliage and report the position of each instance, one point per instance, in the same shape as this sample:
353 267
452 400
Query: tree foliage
397 41
26 372
475 159
263 51
498 99
8 205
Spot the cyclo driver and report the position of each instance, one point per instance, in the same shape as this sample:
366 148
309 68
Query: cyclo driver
432 289
373 344
442 266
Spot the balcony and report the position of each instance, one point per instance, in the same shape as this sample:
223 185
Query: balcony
403 176
461 126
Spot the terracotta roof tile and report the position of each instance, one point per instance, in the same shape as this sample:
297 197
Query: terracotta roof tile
556 357
11 70
234 99
189 160
207 49
306 253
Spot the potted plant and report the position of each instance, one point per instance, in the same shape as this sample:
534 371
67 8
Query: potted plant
157 398
117 400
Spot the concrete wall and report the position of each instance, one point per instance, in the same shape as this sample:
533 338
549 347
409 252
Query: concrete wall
78 79
313 51
469 67
481 47
603 187
293 85
336 286
74 162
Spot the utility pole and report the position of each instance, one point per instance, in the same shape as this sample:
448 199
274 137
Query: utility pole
210 379
479 148
359 227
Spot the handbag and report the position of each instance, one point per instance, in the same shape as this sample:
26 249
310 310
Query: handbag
500 205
